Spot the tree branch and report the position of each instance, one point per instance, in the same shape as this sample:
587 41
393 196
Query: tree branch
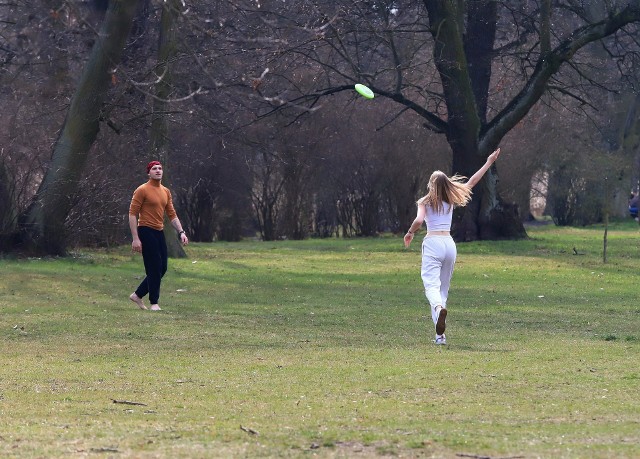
434 122
568 93
549 64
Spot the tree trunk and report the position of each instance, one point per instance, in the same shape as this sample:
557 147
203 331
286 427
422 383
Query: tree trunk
463 122
42 227
159 128
479 38
7 208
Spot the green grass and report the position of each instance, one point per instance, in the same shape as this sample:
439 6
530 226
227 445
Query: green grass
323 348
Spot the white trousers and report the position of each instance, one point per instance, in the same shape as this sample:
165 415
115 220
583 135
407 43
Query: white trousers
438 258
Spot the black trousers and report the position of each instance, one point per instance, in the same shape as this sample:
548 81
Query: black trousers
154 255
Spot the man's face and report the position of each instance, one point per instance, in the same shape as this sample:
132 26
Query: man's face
156 172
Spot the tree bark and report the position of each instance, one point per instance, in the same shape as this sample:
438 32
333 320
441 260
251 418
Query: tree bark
7 208
42 226
545 26
159 127
463 122
479 37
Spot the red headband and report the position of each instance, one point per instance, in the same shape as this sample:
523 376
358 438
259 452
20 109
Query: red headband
151 164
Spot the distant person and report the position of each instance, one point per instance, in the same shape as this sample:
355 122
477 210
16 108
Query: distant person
438 248
633 205
146 220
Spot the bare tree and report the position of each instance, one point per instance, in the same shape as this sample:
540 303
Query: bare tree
267 191
43 225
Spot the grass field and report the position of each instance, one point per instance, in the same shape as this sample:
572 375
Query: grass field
322 348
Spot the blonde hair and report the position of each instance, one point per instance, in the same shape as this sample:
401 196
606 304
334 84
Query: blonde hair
441 189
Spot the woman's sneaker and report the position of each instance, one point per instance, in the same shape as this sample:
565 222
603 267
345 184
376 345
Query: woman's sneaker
440 340
441 321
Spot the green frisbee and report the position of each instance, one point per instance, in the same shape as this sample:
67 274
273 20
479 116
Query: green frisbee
364 91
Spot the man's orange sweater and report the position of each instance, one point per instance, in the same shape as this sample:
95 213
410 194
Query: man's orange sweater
149 203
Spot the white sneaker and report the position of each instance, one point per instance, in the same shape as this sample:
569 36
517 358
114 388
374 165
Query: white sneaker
441 321
440 340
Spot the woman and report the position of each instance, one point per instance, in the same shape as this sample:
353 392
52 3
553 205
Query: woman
438 249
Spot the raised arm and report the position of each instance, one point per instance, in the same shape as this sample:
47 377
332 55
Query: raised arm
475 178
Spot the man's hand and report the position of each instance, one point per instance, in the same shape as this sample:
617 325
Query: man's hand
136 246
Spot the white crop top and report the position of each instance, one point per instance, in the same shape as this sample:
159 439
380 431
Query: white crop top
439 221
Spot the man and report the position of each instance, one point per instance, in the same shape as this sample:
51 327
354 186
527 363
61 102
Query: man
146 221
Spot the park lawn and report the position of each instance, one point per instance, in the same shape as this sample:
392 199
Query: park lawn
322 348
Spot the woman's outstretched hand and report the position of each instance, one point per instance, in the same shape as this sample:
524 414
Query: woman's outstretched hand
475 178
493 156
